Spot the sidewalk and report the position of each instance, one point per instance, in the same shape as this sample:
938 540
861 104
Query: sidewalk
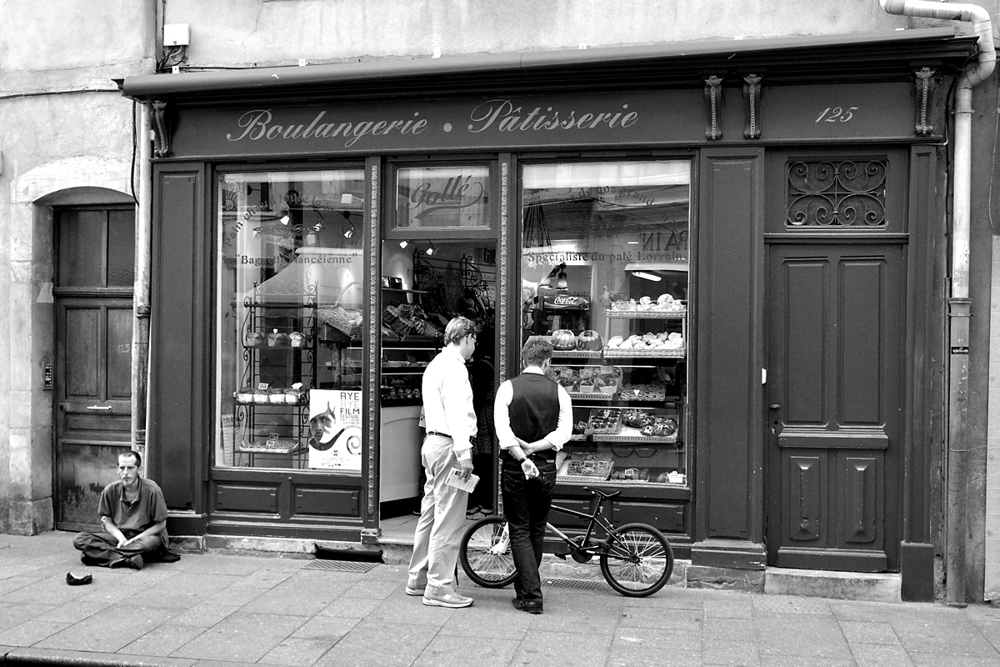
218 609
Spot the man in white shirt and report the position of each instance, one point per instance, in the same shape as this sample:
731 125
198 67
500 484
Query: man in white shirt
534 419
451 424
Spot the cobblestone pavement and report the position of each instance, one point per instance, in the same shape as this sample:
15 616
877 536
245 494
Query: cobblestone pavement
215 609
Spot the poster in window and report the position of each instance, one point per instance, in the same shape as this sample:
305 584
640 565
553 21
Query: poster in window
335 429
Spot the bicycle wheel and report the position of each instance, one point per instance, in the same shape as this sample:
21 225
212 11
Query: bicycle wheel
638 560
485 553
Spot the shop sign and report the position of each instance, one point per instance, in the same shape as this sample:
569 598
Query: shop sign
646 117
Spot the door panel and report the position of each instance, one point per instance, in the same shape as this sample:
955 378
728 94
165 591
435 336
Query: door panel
93 420
835 317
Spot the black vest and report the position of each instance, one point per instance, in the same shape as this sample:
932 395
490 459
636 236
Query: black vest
534 409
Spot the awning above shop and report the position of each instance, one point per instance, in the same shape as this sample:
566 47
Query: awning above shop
818 58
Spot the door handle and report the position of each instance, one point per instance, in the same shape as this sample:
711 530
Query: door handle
774 406
99 408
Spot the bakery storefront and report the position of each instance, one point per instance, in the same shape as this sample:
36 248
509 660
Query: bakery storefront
726 247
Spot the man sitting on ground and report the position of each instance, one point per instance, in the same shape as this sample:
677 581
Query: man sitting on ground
133 516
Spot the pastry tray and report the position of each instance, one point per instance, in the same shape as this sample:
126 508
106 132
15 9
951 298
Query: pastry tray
613 427
645 314
649 353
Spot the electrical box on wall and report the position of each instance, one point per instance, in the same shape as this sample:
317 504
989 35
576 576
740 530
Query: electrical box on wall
176 34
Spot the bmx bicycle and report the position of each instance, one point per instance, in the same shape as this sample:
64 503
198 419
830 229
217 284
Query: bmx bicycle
636 559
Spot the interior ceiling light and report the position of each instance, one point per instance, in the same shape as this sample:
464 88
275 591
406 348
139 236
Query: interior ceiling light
404 243
430 250
647 276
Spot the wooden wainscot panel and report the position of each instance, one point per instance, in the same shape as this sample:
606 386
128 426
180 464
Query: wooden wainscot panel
805 507
668 518
319 501
565 520
247 498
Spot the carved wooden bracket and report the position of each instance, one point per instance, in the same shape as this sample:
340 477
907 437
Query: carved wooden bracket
713 108
751 106
161 136
924 85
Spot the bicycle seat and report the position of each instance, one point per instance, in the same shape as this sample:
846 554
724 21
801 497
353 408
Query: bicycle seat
603 494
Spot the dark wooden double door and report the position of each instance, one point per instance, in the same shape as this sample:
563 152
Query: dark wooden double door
836 341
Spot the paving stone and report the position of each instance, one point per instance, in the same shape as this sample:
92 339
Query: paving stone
12 614
562 648
880 655
676 620
450 650
30 633
94 633
657 641
204 615
942 635
241 637
295 652
377 643
162 641
729 629
807 635
719 652
182 590
869 632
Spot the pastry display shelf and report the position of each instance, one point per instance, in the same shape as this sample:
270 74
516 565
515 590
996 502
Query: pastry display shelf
290 448
645 353
637 439
580 480
576 354
645 314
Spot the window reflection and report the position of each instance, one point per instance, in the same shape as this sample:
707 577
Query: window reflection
290 317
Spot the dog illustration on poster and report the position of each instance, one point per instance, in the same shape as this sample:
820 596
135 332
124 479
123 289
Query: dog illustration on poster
335 429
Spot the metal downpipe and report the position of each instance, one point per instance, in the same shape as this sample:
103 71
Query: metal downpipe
959 304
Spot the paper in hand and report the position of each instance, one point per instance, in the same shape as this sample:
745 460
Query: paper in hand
455 479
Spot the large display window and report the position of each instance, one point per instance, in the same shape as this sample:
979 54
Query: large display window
290 315
604 277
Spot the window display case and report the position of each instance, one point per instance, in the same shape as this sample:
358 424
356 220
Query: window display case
605 279
290 325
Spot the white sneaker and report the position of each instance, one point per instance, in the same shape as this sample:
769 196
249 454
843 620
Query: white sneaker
452 600
414 591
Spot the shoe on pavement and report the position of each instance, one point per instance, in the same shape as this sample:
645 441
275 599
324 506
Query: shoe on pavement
135 562
532 606
415 590
74 580
452 600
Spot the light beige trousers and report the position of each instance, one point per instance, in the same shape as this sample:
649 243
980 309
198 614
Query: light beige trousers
442 520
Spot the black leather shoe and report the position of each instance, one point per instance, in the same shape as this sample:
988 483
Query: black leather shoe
74 580
532 607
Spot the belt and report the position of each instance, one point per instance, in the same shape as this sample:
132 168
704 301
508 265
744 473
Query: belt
438 433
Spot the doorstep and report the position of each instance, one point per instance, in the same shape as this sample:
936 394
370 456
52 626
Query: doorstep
861 586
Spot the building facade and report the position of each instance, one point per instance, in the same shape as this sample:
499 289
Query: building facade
741 246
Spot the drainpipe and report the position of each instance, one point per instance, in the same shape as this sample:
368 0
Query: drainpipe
959 304
140 298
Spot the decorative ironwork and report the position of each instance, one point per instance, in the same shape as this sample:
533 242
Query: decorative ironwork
502 268
374 335
751 106
502 296
713 108
161 137
827 193
924 86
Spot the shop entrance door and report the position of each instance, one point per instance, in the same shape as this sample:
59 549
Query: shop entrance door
92 376
836 341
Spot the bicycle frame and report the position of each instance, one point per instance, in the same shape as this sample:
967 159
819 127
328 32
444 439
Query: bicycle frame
593 520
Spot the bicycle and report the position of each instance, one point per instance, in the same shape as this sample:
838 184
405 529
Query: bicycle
636 559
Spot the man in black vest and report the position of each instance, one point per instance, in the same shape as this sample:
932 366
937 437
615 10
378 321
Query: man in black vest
534 419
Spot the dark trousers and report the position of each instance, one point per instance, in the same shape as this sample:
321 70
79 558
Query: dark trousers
526 504
102 548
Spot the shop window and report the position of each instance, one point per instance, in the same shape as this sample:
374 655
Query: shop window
836 193
290 316
604 277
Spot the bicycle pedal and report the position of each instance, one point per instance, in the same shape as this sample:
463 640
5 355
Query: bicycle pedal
561 555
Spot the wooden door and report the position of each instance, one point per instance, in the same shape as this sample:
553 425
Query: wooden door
836 341
92 380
